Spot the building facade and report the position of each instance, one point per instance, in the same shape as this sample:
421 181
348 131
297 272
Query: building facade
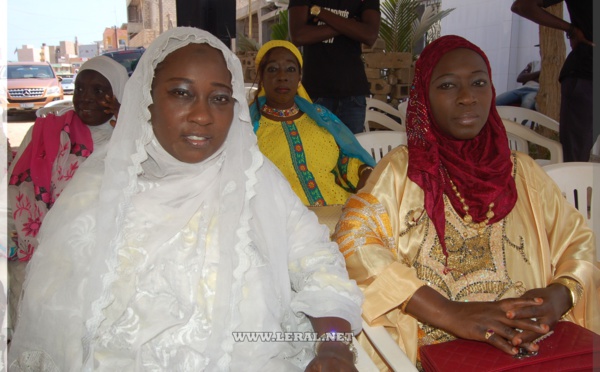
146 19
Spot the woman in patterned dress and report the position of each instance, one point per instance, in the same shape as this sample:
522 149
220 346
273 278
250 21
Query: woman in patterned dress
315 151
55 147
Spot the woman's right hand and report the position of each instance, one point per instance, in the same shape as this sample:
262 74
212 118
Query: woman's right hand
487 322
479 321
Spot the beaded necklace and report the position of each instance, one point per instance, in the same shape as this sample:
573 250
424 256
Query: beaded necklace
468 219
294 110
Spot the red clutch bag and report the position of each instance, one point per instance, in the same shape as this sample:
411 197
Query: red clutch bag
569 348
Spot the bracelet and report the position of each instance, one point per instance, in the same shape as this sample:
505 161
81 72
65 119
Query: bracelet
570 31
364 169
574 287
337 337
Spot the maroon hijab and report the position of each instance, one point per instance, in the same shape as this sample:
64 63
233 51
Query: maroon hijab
481 168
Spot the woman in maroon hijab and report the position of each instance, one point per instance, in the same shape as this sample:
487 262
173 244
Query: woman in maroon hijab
454 235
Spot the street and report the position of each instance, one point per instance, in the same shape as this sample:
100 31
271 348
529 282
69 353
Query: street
19 124
17 127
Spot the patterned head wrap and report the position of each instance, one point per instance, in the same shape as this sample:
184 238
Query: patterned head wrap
292 48
481 168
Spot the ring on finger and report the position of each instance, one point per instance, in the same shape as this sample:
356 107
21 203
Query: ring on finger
489 333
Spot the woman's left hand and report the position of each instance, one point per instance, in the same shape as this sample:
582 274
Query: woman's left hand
333 356
112 106
363 174
556 300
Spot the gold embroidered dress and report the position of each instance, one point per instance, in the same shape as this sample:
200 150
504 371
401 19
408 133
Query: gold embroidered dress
392 249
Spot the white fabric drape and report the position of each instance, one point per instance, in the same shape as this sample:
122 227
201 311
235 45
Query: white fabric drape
148 263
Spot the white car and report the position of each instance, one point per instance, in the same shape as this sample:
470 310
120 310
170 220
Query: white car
68 85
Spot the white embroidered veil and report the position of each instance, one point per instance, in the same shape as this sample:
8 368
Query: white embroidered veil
69 278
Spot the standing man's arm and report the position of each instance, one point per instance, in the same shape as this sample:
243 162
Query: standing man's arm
534 11
364 30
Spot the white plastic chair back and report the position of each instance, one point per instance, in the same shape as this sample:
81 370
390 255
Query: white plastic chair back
383 115
56 108
381 121
250 91
402 107
519 135
527 117
373 103
379 143
580 184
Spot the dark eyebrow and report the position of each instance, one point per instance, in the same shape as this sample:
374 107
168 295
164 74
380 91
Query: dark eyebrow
452 74
190 81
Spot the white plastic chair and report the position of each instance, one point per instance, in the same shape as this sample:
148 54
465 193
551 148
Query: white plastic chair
403 107
519 135
363 362
250 91
380 142
527 117
386 108
580 184
55 107
383 114
387 348
381 120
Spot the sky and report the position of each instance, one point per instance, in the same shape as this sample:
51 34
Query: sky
33 22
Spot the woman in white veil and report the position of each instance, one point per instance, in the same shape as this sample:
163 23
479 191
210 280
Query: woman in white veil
148 262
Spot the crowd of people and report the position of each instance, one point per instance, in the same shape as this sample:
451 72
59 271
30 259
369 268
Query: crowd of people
165 220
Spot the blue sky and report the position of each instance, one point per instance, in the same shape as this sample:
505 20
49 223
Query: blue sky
34 22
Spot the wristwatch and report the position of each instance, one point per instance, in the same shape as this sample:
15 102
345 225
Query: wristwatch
315 10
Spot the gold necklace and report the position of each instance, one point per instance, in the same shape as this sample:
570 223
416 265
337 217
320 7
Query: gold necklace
468 219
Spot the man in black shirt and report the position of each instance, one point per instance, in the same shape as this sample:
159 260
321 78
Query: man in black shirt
331 33
577 133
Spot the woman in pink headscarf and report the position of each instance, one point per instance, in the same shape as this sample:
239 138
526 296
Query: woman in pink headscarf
55 146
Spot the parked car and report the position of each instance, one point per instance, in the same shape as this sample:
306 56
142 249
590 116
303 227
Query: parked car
128 57
31 85
68 85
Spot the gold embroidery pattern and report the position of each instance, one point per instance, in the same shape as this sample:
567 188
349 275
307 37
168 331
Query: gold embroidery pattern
477 265
364 221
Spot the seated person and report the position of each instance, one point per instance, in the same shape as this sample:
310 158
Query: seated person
314 150
454 236
524 95
171 251
55 146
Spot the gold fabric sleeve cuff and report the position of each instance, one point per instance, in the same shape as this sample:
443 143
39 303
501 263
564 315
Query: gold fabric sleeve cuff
405 303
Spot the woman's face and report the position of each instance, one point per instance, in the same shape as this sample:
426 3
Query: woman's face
91 88
193 102
460 93
280 78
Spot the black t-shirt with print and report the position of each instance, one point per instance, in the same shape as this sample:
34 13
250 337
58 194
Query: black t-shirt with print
334 68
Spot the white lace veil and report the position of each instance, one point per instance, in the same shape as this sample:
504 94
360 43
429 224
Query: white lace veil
225 181
190 182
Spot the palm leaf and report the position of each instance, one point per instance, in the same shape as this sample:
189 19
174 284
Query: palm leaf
244 43
401 26
396 24
279 30
428 19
